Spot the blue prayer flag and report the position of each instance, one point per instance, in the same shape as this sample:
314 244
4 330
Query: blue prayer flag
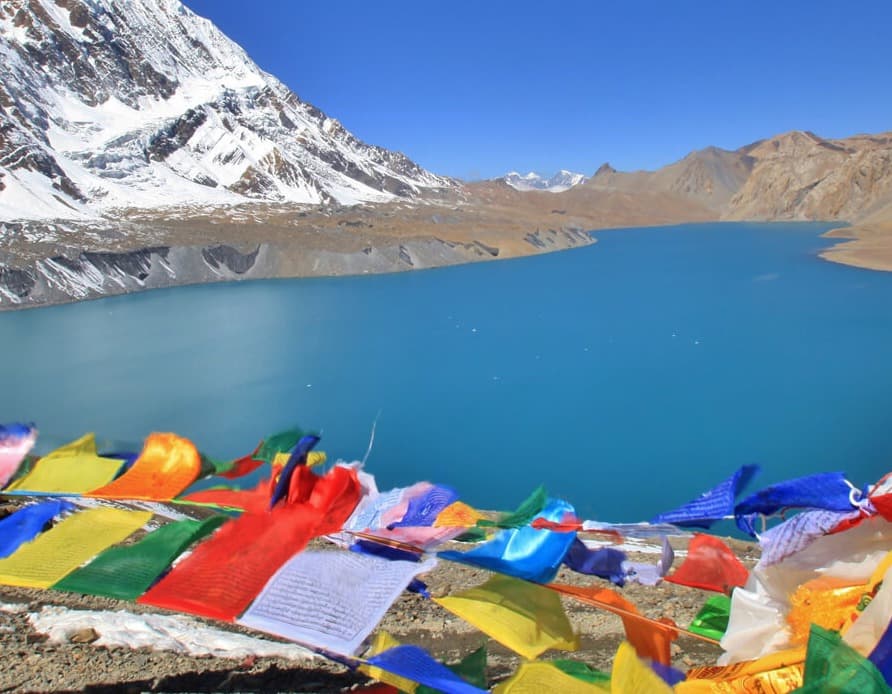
424 509
604 562
881 656
712 505
827 490
534 555
298 457
416 664
27 523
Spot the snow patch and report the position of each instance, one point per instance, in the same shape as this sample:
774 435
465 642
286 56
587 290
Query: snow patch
159 633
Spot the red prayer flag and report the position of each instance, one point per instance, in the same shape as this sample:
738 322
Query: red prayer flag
242 466
226 572
710 565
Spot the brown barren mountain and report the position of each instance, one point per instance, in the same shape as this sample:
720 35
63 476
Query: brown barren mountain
799 175
708 176
794 176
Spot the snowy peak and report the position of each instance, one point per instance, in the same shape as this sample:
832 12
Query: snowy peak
561 181
141 103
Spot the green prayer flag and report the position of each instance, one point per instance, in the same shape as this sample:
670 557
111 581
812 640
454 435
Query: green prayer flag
472 535
581 671
712 619
471 668
277 443
834 667
211 466
523 515
127 572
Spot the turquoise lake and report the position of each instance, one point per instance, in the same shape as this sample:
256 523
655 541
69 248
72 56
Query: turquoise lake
627 376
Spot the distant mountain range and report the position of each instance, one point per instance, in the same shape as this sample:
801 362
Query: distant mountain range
796 175
561 181
141 103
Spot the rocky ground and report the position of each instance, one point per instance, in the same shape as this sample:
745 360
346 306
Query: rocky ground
34 663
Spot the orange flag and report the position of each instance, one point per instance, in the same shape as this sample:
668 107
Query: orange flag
710 565
651 638
167 465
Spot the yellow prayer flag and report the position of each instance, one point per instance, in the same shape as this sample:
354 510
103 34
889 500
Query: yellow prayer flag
74 468
384 641
525 617
540 677
631 675
829 602
74 541
458 515
775 673
314 458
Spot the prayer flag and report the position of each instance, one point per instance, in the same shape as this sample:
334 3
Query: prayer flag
777 673
651 574
384 641
471 668
280 442
713 505
423 510
525 617
167 465
534 555
27 523
826 601
227 571
542 677
881 656
834 667
604 562
298 457
75 468
63 548
827 490
630 675
798 532
16 440
330 600
710 565
262 471
582 671
127 572
458 515
712 619
523 514
652 638
416 664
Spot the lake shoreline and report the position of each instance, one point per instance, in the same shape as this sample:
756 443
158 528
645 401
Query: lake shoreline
96 275
867 246
81 275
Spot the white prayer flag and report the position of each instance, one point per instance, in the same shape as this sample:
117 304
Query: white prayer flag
330 600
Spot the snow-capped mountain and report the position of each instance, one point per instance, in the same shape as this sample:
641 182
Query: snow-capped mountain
561 181
141 103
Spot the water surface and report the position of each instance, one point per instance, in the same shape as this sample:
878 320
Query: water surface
626 376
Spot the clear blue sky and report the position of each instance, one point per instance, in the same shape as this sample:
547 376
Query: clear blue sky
475 89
